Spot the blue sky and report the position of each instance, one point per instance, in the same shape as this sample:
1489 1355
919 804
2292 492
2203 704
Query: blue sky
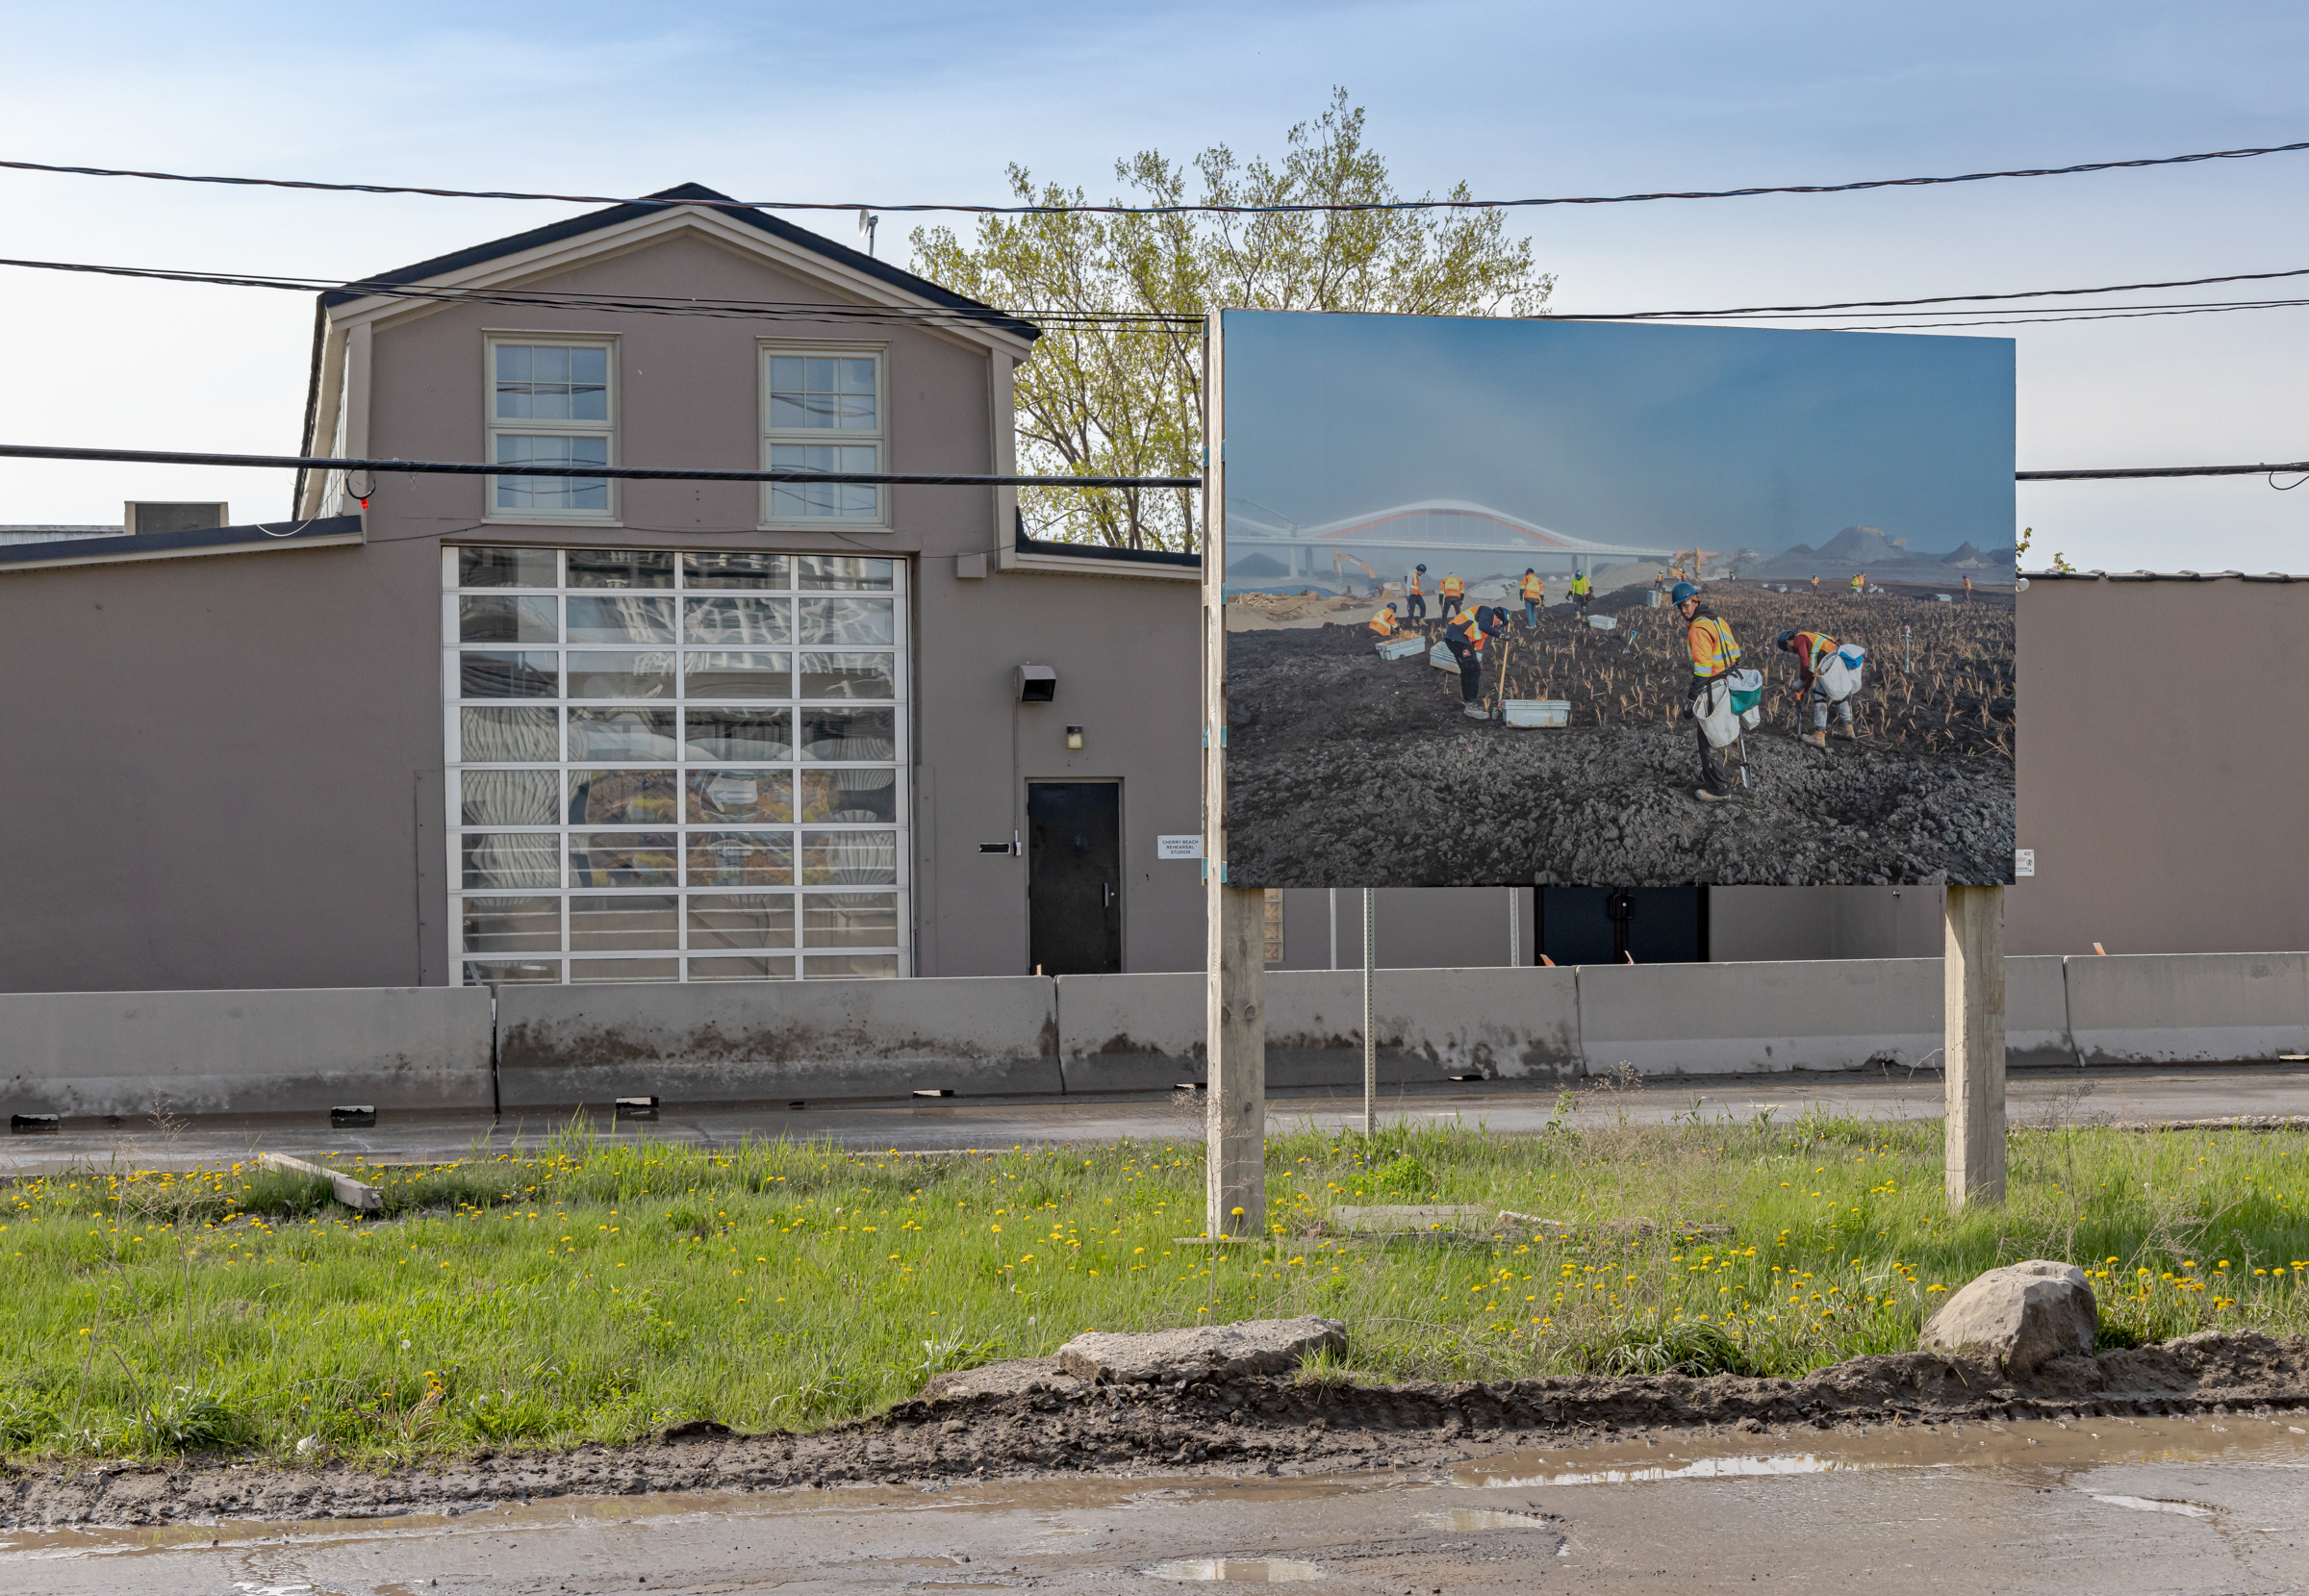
899 102
1648 437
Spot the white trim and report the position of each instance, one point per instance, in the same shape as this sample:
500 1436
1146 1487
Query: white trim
1007 557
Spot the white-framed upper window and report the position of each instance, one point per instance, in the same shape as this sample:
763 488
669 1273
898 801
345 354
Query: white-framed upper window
552 401
823 410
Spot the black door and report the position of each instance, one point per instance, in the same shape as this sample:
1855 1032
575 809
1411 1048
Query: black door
1075 876
1659 925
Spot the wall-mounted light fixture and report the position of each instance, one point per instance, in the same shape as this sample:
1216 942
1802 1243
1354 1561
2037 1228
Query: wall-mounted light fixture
1073 739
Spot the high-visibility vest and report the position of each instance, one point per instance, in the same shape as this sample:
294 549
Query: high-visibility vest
1468 629
1384 623
1414 581
1713 648
1534 588
1453 587
1579 586
1859 582
1812 648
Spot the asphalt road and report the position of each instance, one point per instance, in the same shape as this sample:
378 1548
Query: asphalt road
2131 1096
2101 1506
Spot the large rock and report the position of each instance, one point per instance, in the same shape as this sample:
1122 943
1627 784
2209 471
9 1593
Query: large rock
2022 1315
1253 1346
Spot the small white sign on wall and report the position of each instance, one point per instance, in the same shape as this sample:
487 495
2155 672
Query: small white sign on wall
2024 862
1190 847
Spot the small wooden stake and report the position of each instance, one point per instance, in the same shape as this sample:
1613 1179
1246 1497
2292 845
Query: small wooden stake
1972 1020
361 1199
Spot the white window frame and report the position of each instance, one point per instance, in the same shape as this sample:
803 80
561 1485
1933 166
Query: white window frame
491 428
879 353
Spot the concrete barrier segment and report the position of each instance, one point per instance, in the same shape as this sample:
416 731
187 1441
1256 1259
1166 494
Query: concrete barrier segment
1752 1018
2036 1012
132 1054
2188 1008
777 1041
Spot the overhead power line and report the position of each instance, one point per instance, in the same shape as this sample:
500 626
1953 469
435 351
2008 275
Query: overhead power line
894 479
1165 210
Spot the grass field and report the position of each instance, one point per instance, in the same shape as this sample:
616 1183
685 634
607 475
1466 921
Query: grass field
595 1291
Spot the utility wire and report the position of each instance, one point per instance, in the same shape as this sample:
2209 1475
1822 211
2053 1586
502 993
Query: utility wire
1164 210
656 474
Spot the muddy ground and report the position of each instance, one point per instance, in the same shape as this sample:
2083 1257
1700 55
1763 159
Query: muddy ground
1024 1420
1345 769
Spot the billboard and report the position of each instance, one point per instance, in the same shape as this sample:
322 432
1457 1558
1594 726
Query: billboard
1592 604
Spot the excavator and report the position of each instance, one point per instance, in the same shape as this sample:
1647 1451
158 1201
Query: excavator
1340 560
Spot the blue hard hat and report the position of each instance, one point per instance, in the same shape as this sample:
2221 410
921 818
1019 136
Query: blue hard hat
1684 590
1785 638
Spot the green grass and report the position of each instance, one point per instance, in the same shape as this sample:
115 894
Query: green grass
592 1290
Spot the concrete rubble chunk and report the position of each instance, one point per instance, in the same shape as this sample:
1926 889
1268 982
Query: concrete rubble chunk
1252 1347
1013 1377
2023 1315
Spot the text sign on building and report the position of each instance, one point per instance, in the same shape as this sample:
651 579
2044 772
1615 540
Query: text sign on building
1459 652
1179 848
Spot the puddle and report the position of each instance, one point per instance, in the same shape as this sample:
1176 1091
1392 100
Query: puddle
1482 1518
2035 1444
1242 1570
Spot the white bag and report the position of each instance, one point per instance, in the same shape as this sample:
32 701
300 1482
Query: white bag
1712 709
1840 673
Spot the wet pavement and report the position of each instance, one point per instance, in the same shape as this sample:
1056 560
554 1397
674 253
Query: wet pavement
2115 1505
2122 1096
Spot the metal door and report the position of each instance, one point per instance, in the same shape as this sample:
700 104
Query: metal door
1075 876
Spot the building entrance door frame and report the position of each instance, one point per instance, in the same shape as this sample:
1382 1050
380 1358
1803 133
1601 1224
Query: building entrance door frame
1075 880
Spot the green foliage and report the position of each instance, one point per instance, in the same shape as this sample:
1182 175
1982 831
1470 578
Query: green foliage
1106 396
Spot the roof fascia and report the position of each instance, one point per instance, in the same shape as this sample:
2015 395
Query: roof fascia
329 532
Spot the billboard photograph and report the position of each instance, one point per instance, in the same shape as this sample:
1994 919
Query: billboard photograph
1596 604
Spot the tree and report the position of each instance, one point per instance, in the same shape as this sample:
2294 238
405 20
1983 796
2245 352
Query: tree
1115 384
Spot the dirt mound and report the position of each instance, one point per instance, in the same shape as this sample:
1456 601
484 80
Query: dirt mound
1022 1428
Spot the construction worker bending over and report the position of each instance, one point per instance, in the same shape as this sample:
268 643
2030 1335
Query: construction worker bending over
1713 655
1384 623
1466 635
1812 650
1413 591
1581 590
1534 594
1453 589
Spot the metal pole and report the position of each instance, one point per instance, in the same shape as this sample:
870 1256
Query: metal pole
1370 1036
1514 928
1334 927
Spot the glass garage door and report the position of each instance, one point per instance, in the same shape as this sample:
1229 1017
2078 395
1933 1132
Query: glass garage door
669 766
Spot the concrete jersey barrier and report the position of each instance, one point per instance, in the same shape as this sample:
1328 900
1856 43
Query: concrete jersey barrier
132 1054
2189 1008
1748 1019
560 1046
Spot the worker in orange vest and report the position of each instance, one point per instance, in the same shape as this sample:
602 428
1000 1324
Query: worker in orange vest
1384 623
1816 586
1466 635
1812 650
1968 590
1453 589
1534 594
1859 584
1417 610
1713 655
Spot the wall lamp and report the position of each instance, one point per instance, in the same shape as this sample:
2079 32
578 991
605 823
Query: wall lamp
1073 739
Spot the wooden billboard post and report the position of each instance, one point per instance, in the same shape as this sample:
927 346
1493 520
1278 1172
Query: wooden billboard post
1235 1024
1972 1021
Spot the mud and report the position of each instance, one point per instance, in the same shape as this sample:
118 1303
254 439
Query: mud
1345 769
1047 1425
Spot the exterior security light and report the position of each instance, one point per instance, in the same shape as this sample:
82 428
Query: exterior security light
1037 684
1074 738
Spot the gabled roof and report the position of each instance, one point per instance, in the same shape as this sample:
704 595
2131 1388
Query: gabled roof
618 216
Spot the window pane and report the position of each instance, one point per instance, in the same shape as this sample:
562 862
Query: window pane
737 733
504 674
855 620
846 572
502 861
605 674
512 973
552 383
742 920
740 798
486 618
508 798
508 567
593 972
511 924
623 798
849 920
743 675
627 618
733 571
849 858
785 373
849 798
850 966
858 376
764 968
734 622
619 568
741 859
608 924
553 492
836 734
623 734
508 734
848 676
805 500
621 859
